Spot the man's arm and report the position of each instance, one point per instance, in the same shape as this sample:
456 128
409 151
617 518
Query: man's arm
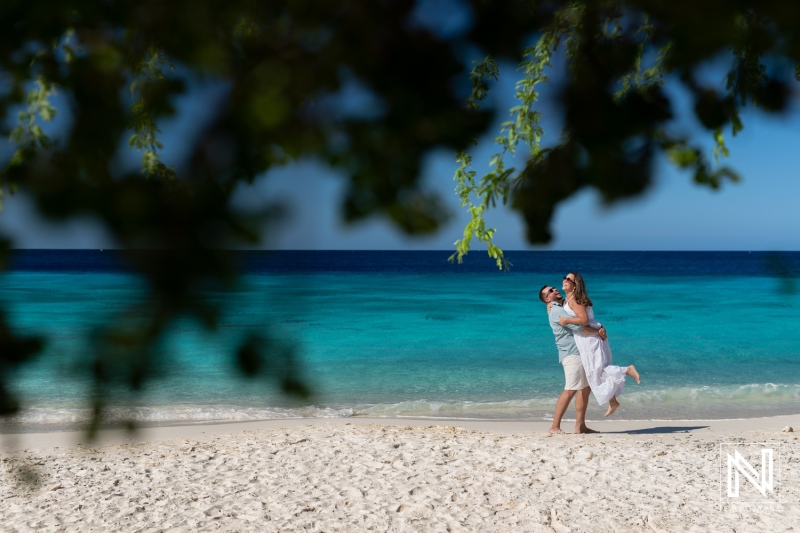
558 312
601 332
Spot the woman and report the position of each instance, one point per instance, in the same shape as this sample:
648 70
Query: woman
605 379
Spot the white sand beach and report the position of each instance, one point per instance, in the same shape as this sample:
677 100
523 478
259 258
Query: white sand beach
397 475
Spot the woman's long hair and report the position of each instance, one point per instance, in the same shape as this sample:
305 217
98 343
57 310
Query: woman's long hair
580 295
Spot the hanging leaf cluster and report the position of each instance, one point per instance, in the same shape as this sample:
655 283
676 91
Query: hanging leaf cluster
619 116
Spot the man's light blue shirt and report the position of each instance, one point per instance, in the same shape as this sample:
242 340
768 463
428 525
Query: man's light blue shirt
565 342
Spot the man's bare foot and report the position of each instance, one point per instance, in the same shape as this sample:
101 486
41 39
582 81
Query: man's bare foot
613 404
557 431
584 429
634 374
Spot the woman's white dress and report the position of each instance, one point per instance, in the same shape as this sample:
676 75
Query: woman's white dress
605 379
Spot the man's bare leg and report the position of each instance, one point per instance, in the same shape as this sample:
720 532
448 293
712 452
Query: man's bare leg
561 407
581 403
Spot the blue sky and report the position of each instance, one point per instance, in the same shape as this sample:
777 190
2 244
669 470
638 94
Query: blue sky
754 214
675 214
759 213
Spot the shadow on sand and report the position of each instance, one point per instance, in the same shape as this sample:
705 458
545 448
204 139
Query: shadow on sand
660 429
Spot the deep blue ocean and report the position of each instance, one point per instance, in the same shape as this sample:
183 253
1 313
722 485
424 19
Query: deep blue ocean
713 335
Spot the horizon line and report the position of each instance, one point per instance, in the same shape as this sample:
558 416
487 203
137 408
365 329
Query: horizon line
450 251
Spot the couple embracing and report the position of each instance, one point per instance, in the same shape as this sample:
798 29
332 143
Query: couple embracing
583 351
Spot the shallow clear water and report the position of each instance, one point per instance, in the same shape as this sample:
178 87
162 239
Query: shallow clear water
407 334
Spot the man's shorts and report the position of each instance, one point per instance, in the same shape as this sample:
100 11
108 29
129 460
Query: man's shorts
573 373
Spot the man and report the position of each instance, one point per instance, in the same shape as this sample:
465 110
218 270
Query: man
570 359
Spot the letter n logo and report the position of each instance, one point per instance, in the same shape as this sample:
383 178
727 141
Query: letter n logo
738 465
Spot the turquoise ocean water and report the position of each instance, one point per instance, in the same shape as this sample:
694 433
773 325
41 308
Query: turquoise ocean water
406 334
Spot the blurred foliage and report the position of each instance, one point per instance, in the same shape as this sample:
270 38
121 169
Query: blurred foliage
120 65
785 270
618 117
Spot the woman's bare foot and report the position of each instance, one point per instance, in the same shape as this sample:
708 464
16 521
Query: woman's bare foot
583 429
557 431
633 373
613 404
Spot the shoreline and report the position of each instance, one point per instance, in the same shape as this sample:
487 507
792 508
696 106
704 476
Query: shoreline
619 428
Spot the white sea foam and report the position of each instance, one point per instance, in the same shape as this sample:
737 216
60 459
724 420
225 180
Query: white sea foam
180 414
706 402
